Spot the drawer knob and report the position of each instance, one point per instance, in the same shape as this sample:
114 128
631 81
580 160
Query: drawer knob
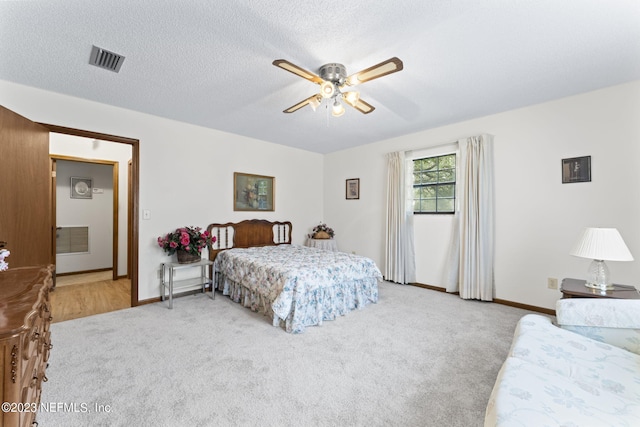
14 362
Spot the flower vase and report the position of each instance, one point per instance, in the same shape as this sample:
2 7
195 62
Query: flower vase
185 257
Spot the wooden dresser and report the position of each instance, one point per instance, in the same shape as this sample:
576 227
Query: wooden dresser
25 317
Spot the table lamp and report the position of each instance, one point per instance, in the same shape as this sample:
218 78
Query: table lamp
600 245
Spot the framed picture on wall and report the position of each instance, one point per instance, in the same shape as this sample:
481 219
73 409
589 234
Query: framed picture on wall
353 188
81 188
576 169
253 192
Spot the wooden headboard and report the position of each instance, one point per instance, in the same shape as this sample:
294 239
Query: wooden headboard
248 233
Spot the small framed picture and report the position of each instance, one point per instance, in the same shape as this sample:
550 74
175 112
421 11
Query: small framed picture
353 188
576 169
81 188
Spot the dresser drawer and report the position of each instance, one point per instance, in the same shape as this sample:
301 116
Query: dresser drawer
25 340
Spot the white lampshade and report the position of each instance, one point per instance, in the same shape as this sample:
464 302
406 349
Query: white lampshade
338 109
601 243
327 89
315 103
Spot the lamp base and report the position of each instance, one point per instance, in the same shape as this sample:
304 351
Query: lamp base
598 276
603 287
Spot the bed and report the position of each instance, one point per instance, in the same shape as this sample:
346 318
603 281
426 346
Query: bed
256 265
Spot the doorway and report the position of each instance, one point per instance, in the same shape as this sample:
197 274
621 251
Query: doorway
26 219
130 264
88 232
87 199
87 224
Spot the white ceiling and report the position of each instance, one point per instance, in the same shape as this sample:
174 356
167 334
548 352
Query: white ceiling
209 62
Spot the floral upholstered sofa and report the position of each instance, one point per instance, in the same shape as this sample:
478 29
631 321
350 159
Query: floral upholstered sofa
586 372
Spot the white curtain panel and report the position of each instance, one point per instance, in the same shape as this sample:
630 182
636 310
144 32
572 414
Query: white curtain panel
472 252
400 266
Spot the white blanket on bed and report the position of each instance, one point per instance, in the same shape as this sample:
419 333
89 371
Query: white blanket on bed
299 285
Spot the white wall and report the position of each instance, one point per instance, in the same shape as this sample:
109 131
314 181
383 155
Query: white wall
537 217
186 171
186 177
75 146
95 213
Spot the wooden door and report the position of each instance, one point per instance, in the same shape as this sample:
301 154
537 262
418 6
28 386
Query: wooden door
25 212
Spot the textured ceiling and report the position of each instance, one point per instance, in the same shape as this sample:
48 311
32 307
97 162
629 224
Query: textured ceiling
209 62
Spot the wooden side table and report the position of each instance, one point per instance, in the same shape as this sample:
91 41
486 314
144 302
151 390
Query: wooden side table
575 288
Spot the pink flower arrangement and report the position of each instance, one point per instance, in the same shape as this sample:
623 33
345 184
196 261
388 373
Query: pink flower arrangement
188 239
323 227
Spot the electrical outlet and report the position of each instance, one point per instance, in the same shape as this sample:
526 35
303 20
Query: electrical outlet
552 283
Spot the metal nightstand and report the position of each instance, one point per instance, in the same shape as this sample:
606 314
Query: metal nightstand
172 267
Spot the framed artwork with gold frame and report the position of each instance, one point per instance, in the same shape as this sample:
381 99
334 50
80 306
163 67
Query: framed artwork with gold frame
253 192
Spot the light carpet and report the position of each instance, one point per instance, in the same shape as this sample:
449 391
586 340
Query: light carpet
416 358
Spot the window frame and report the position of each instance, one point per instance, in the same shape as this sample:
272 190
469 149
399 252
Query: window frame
437 184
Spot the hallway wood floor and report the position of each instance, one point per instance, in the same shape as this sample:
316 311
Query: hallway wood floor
84 295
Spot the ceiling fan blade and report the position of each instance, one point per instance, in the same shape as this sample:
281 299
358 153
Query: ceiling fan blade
362 106
301 104
389 66
301 72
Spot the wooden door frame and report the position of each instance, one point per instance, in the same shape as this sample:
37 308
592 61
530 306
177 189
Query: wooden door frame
115 201
134 196
53 206
129 216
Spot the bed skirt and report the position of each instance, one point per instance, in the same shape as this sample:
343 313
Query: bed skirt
309 308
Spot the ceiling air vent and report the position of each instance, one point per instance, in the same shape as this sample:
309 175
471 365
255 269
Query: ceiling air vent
105 59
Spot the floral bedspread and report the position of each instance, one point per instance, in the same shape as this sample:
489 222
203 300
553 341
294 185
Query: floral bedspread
298 286
554 377
613 321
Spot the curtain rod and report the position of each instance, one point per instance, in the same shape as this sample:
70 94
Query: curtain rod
430 146
442 144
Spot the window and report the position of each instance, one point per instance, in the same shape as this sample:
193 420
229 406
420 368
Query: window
434 185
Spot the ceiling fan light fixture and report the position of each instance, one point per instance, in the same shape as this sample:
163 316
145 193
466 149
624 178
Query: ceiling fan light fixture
327 89
315 102
332 79
338 109
351 97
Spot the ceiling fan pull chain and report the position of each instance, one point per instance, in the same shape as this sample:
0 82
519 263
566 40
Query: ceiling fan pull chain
326 110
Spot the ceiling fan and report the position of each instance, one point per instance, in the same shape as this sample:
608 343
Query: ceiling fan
335 85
